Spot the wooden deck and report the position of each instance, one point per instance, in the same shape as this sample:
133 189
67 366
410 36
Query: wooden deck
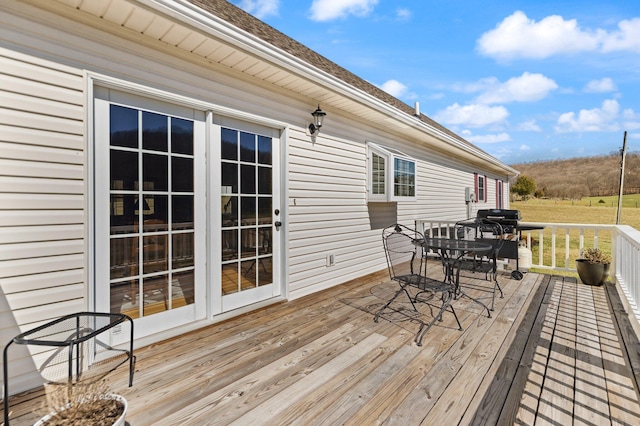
552 353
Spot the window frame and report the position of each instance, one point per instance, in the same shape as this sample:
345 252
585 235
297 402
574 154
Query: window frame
480 187
390 156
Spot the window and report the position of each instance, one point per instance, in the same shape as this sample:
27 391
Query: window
481 188
378 169
499 194
392 174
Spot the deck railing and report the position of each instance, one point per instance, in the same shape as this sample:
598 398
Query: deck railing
626 259
557 245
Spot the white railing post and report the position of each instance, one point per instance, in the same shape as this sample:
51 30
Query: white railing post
567 249
553 247
541 250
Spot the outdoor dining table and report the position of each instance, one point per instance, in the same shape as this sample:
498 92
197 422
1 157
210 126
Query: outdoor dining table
452 252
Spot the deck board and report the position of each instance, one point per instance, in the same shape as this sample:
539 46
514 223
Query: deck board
499 394
552 353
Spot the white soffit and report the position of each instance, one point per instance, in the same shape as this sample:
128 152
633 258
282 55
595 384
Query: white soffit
181 24
167 22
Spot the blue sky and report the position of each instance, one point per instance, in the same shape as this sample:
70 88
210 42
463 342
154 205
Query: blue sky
523 80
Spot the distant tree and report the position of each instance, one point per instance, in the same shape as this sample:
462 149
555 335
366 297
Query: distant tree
524 186
539 193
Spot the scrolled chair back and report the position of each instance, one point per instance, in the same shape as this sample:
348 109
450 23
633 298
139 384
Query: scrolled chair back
403 249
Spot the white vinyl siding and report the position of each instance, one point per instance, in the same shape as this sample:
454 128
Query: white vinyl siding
45 245
328 214
42 193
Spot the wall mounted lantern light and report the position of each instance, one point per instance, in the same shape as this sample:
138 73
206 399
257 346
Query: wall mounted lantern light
318 116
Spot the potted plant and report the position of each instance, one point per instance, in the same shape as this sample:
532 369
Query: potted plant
593 266
85 404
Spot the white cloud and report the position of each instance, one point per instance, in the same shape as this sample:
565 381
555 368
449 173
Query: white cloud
627 38
478 86
629 114
403 14
526 88
260 8
590 120
525 147
491 138
517 36
326 10
631 120
394 88
529 126
600 86
472 115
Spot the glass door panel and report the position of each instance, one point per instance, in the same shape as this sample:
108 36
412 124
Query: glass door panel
247 203
151 210
149 251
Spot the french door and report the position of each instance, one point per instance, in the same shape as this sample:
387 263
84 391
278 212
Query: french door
187 212
149 255
247 217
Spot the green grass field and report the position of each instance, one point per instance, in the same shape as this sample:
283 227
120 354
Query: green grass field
593 210
600 210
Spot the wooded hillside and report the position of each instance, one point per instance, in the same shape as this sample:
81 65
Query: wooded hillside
583 177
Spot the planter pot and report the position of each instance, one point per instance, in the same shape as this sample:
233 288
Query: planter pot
592 273
118 422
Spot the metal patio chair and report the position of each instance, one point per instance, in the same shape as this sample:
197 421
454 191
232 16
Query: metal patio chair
486 231
407 266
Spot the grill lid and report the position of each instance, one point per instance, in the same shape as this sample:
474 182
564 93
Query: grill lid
499 215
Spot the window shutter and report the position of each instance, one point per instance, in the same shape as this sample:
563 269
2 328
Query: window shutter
486 186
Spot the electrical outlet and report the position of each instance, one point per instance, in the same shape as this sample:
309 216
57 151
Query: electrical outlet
331 260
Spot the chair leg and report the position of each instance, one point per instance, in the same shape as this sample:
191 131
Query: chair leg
402 288
456 317
424 328
496 286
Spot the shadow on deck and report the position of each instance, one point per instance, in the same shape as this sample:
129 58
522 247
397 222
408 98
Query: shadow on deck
574 361
554 351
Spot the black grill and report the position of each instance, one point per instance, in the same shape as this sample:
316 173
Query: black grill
508 219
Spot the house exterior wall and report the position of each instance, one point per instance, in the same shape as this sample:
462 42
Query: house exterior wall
45 169
42 193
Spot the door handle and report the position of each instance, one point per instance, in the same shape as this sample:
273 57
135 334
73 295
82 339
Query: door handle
278 224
